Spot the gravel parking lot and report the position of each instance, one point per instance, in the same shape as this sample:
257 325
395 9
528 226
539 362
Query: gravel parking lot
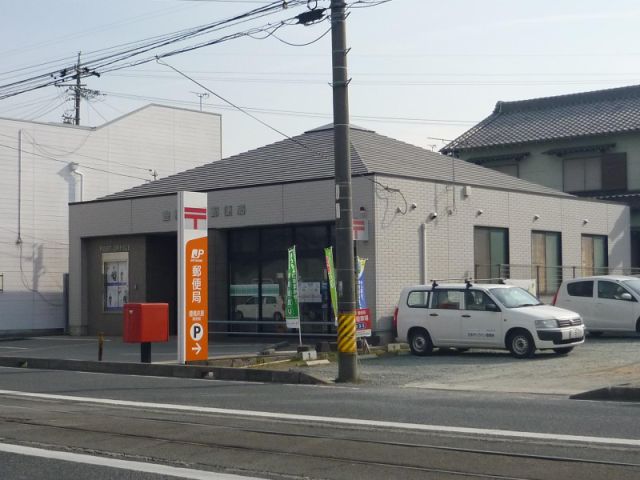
599 362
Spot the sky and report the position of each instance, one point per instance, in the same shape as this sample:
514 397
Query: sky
423 71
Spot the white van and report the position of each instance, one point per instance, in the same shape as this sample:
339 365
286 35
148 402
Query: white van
467 316
607 303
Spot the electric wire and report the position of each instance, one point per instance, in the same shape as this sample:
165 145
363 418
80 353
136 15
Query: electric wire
296 113
92 65
241 109
54 155
67 162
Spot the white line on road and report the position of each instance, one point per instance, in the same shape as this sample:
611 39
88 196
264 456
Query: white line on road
334 420
68 339
121 464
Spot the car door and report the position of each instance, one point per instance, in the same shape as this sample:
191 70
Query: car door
443 320
614 311
414 313
579 297
481 320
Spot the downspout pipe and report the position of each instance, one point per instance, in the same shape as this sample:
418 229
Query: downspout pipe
19 239
73 166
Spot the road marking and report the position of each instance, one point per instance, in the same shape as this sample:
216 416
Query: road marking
334 420
121 464
15 348
67 339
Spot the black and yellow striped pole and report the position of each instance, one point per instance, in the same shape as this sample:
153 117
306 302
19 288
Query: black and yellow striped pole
345 271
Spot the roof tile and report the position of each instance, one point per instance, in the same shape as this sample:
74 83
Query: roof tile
550 118
310 157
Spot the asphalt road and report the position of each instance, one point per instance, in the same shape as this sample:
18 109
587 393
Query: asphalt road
356 432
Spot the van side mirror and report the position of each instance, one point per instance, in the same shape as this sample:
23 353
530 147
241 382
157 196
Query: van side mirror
491 307
626 296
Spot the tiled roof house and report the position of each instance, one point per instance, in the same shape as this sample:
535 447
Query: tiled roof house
587 144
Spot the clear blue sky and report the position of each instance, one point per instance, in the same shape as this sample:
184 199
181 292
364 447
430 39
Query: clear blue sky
442 63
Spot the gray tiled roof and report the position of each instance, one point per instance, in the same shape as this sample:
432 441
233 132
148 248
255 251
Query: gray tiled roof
550 118
310 157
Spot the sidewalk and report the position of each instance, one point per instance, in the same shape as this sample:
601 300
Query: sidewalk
86 348
81 354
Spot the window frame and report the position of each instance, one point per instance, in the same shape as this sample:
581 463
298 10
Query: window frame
426 305
593 289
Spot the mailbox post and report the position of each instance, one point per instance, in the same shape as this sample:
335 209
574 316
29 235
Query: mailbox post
145 323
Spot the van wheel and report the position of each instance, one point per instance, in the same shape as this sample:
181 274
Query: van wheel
420 343
277 317
638 326
520 344
562 351
238 315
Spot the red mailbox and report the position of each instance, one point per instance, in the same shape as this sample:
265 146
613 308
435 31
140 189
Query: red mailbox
146 322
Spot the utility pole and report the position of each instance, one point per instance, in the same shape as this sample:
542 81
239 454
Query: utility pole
201 96
345 271
77 92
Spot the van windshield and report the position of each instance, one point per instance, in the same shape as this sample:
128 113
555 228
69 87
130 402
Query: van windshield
633 285
515 297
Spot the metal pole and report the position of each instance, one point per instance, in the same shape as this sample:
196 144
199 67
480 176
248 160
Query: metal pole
345 271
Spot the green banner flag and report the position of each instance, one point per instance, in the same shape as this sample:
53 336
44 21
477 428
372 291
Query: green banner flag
331 273
292 313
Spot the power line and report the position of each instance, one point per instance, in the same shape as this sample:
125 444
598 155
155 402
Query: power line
67 162
296 113
115 61
239 108
53 155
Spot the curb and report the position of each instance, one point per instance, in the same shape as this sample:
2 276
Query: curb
162 370
619 393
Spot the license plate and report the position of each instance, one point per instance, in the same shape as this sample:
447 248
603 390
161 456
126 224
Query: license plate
571 334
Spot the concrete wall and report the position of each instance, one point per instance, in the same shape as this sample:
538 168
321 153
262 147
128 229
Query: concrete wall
34 199
411 247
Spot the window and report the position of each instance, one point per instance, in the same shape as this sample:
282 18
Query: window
477 300
491 252
595 259
607 171
580 289
258 277
610 290
418 299
447 299
546 259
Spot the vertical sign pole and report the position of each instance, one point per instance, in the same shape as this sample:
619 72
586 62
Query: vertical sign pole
193 277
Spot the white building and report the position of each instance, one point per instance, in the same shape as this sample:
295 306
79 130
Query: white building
44 166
